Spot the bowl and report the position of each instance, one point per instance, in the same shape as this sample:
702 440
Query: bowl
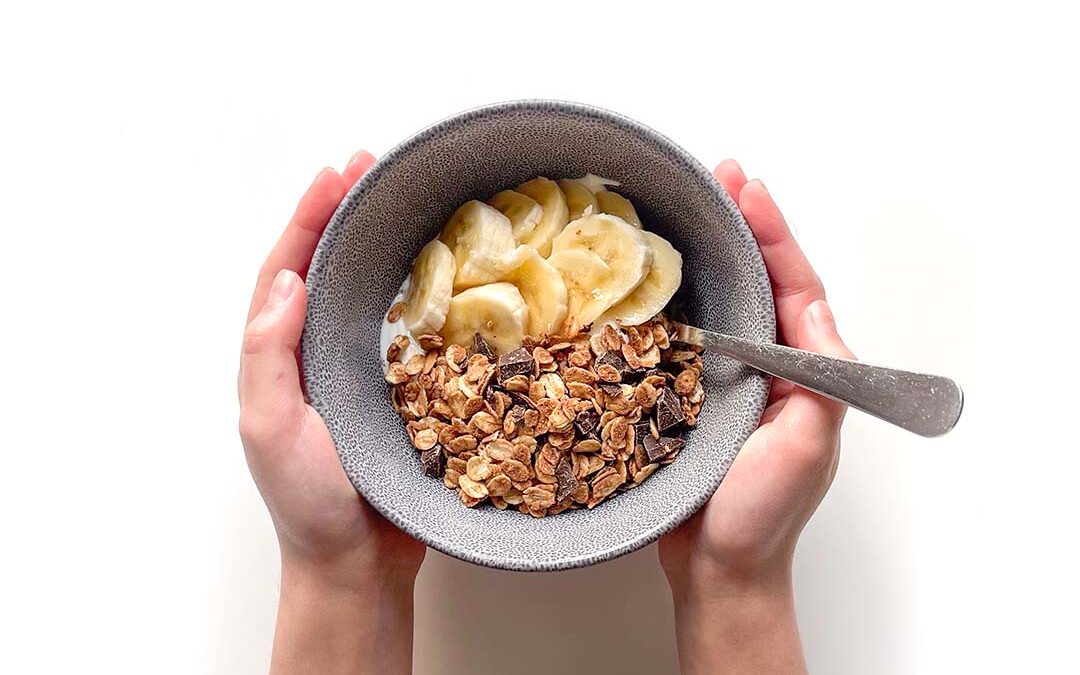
401 204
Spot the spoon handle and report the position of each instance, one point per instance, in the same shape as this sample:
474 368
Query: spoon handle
928 405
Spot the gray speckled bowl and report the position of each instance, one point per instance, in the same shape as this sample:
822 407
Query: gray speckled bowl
401 204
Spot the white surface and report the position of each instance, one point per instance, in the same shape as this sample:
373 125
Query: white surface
149 156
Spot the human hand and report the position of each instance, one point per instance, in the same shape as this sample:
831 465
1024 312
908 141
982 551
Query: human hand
343 565
734 556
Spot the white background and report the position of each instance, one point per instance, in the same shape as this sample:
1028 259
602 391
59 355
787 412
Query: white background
150 154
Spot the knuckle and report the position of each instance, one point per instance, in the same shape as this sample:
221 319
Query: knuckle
811 455
256 430
256 338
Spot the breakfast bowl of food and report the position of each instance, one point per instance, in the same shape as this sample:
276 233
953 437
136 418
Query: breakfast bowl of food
491 335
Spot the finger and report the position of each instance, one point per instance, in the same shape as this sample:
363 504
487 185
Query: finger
357 167
730 175
772 411
270 395
794 283
297 244
811 415
779 390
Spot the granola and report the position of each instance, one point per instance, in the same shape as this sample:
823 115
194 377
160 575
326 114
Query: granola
561 423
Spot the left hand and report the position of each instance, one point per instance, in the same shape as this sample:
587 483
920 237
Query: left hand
325 529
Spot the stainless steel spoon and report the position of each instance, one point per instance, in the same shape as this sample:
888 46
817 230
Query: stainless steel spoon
928 405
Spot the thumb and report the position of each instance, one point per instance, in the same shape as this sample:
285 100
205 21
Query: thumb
270 394
817 333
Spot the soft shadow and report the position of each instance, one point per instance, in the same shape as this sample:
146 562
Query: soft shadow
610 618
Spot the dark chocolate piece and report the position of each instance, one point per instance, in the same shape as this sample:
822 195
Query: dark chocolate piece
522 400
613 390
658 449
517 362
480 346
566 483
516 414
617 362
641 430
668 410
586 422
432 461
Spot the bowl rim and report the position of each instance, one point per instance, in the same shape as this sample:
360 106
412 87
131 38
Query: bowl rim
697 169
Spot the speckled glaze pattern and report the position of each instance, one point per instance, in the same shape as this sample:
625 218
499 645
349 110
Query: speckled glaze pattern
402 202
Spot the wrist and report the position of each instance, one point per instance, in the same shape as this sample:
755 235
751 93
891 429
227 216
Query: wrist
737 623
345 575
335 618
714 578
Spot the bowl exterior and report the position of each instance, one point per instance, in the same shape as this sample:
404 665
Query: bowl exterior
402 202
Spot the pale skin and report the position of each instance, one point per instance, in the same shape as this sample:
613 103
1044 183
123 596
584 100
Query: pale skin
347 574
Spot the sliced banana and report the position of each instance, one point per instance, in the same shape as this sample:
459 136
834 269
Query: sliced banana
543 290
617 205
523 211
496 311
596 183
624 249
430 287
546 193
655 291
579 199
586 277
481 240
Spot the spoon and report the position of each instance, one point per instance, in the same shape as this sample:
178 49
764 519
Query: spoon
928 405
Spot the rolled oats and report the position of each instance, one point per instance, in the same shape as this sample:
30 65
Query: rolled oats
396 311
572 420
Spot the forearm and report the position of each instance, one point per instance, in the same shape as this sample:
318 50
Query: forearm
326 627
737 628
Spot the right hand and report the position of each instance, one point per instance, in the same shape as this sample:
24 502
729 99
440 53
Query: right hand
748 530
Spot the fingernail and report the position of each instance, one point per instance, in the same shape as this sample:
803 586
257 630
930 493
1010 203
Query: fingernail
821 315
360 156
762 184
319 175
282 288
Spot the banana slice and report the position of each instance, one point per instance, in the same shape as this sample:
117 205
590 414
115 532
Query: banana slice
579 199
596 183
430 287
655 291
586 276
481 240
523 211
543 290
617 205
546 193
624 249
496 311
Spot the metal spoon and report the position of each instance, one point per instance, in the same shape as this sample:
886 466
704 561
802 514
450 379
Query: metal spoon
928 405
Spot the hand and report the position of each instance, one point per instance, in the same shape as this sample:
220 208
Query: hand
731 562
344 567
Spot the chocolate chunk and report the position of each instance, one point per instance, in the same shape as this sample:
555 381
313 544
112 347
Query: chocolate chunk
586 422
656 449
613 390
516 414
522 400
517 362
641 430
636 376
668 410
432 461
617 362
480 346
566 483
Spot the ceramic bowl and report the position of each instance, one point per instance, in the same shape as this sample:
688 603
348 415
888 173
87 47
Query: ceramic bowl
402 203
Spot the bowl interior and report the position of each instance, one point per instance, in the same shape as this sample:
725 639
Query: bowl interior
402 203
